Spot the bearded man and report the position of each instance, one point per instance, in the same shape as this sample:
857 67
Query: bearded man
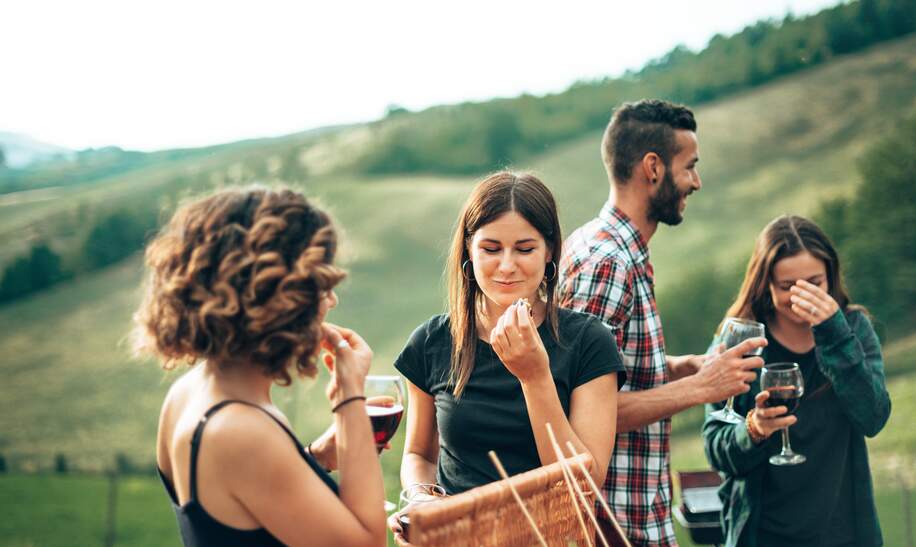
650 151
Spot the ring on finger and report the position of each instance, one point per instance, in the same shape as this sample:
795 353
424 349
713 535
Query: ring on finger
343 344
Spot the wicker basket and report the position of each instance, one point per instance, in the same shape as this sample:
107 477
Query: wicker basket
489 515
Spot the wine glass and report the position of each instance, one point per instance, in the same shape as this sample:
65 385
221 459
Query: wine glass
385 406
411 497
785 384
732 332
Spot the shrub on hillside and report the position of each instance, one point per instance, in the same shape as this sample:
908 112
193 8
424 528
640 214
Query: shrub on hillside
60 464
39 269
875 230
692 308
116 236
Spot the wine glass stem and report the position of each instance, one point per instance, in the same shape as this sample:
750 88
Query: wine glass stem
786 445
730 405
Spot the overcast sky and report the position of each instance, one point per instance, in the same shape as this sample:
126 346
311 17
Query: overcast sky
165 74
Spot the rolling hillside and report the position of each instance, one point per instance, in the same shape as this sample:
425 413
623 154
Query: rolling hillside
70 386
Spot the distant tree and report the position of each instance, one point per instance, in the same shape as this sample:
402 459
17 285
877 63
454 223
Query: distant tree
3 466
114 237
502 135
694 307
16 280
41 268
870 20
44 266
60 464
395 110
123 464
900 17
876 229
844 31
2 158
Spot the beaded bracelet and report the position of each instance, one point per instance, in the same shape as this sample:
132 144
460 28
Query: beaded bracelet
755 434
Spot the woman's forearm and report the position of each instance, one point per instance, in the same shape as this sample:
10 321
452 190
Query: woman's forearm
849 354
415 469
361 484
544 407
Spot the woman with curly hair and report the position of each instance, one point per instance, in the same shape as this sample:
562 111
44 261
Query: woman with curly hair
239 285
794 286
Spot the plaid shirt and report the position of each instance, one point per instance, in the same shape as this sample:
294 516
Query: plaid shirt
606 272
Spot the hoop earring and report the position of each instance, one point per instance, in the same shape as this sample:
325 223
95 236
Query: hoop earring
464 270
554 276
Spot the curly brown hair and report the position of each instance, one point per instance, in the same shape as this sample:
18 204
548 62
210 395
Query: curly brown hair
239 276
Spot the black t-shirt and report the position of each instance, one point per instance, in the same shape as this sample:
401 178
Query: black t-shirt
810 504
491 413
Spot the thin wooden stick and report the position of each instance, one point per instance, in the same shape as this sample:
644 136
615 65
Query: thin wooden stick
567 475
567 472
585 503
518 499
600 496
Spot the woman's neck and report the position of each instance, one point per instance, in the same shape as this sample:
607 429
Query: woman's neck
796 337
241 381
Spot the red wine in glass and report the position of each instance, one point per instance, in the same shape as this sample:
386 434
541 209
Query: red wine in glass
786 385
385 406
385 421
418 494
787 396
404 521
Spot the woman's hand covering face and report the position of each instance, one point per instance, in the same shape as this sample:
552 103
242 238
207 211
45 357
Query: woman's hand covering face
812 303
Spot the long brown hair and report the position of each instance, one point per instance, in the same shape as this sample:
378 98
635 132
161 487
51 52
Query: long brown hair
784 237
498 194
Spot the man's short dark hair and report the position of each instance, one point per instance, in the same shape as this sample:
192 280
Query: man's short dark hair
639 128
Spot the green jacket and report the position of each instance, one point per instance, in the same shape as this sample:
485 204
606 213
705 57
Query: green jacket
848 353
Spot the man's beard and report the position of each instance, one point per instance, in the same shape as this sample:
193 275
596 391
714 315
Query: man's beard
665 205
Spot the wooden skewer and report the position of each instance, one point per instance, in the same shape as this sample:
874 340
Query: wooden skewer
569 482
600 496
567 472
518 499
585 503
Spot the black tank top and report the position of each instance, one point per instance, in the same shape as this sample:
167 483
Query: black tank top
198 528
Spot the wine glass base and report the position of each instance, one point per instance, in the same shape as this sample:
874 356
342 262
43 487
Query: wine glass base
787 459
727 415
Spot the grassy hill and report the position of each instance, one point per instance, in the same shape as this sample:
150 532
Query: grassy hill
782 148
70 386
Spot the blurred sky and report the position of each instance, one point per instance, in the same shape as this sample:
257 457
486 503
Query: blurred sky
164 74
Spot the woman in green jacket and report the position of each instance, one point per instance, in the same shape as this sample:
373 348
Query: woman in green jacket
793 285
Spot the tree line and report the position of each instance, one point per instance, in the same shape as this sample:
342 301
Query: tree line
110 237
477 137
107 234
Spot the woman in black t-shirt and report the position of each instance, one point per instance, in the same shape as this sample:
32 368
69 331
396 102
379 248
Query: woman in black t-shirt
493 371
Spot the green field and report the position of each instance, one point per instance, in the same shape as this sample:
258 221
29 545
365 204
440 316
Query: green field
144 518
70 386
78 504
